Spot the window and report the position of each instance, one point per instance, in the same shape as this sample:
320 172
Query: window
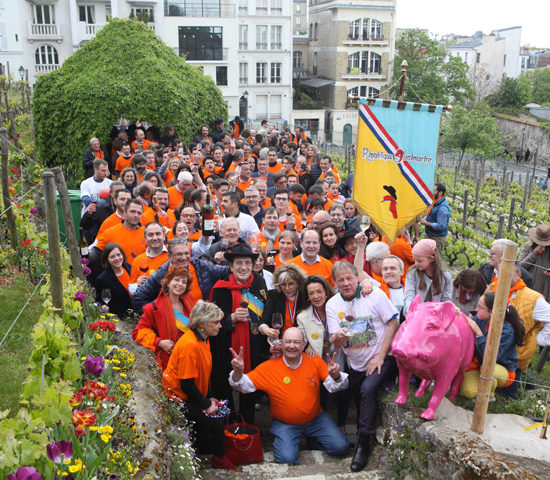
142 14
243 7
375 30
108 13
374 92
276 72
221 76
296 60
298 21
375 64
466 57
276 33
365 30
353 92
353 63
261 72
314 63
261 37
363 91
261 106
364 61
275 106
261 7
504 60
316 31
311 31
243 37
354 29
192 8
86 14
46 55
478 57
276 7
201 43
243 73
43 14
298 8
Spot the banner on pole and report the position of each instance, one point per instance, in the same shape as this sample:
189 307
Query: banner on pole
395 162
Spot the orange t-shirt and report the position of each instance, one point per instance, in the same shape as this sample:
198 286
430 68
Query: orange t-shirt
195 289
110 221
244 185
262 241
266 203
191 358
124 278
175 197
123 162
286 386
168 177
145 266
149 216
275 168
278 261
336 176
131 241
290 314
323 268
146 144
298 220
328 204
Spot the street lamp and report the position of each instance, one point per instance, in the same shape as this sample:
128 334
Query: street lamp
21 71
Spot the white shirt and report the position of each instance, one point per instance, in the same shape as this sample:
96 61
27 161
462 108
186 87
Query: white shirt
91 186
249 227
368 327
397 297
245 385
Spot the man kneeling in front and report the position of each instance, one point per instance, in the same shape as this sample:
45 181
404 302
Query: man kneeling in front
292 382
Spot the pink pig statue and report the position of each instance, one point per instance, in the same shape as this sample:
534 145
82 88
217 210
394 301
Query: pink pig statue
434 343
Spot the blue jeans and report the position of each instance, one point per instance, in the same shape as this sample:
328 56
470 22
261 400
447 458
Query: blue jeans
322 429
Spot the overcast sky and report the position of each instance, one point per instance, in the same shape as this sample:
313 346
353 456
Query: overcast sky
466 16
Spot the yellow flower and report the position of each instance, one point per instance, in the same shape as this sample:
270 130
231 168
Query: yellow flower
77 467
98 336
129 466
105 437
122 374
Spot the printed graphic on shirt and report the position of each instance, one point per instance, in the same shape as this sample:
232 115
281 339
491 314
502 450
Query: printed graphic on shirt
363 333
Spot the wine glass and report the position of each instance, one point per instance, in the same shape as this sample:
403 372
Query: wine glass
93 197
277 323
224 244
106 295
144 269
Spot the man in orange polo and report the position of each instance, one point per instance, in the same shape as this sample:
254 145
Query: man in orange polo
140 140
175 193
309 260
121 198
159 212
293 381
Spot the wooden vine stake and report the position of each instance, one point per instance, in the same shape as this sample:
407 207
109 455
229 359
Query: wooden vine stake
12 227
54 243
493 338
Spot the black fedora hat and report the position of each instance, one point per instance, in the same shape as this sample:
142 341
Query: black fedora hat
240 250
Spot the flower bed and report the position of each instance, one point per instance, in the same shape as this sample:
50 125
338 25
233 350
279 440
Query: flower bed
76 419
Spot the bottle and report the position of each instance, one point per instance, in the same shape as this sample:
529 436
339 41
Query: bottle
83 244
207 217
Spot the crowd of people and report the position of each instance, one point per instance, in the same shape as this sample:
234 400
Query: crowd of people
284 289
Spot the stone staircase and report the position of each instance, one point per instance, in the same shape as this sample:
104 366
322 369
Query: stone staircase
314 465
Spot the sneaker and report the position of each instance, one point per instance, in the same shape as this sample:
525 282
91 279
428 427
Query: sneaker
223 463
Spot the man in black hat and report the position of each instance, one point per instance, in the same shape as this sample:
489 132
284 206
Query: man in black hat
219 131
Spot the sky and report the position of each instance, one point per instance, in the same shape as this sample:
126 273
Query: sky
466 16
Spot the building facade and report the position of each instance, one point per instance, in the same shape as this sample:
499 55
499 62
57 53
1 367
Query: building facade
244 45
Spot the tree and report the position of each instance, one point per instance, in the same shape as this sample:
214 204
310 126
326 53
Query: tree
126 69
541 85
431 77
513 93
472 130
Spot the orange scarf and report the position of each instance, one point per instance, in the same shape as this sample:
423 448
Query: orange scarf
514 288
434 203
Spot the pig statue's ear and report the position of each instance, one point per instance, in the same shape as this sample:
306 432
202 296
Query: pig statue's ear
447 314
414 303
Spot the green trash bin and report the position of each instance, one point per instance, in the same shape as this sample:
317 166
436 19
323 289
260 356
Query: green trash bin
76 209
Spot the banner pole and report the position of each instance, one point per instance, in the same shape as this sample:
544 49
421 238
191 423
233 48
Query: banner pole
404 66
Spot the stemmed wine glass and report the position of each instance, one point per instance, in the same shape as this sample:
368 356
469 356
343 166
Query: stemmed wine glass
277 323
106 295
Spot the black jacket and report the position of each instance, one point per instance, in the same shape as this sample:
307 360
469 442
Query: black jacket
88 160
120 298
276 303
92 222
488 271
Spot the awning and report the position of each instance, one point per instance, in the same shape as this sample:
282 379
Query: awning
317 82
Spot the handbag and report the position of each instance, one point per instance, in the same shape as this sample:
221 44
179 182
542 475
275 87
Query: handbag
243 443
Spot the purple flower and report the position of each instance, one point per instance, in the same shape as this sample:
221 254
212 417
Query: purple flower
84 261
94 365
80 297
113 476
33 210
25 473
86 271
60 451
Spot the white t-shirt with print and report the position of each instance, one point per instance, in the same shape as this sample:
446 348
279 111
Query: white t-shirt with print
366 317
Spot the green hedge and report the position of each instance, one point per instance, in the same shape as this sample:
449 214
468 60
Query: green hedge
126 69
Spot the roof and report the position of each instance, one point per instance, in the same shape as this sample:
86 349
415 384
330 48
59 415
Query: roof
317 82
467 44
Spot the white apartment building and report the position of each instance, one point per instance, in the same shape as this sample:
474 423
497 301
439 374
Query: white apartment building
244 45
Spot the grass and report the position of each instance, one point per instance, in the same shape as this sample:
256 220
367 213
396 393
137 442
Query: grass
15 289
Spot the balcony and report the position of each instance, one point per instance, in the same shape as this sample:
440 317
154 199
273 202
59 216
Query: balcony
221 54
355 73
40 69
365 41
86 31
198 8
43 31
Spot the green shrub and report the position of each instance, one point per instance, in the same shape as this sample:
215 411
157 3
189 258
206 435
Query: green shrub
126 69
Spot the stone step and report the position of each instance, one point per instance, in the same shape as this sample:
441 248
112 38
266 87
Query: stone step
314 465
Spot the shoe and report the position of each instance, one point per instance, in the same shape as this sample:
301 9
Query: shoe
362 453
223 463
